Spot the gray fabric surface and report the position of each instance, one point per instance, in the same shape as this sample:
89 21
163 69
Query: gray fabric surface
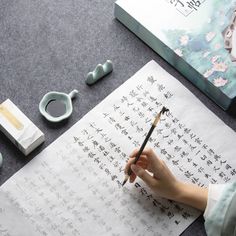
51 45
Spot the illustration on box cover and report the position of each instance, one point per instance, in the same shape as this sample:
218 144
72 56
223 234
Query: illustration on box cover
229 35
212 51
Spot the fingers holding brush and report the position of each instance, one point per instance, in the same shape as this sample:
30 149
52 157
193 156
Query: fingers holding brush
152 161
138 153
142 162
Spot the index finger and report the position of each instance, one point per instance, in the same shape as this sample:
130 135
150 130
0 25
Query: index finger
131 161
153 159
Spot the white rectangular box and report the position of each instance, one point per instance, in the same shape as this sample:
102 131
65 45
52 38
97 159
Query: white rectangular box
18 128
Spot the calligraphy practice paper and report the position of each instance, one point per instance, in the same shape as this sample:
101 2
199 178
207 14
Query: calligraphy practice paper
73 187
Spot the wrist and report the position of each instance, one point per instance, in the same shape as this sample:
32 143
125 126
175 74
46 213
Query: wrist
179 191
192 195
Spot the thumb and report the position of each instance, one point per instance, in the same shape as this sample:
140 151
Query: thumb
141 173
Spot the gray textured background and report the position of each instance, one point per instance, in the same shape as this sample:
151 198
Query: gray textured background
51 45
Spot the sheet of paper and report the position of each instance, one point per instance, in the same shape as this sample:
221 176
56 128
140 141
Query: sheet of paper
73 187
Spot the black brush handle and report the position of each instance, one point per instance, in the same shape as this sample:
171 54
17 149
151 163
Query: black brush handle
142 147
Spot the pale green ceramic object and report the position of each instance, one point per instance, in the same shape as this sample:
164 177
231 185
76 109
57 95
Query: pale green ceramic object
99 72
1 160
64 98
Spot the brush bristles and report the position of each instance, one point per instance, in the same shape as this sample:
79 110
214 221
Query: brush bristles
163 110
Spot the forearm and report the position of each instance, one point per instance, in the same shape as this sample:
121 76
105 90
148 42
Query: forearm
192 195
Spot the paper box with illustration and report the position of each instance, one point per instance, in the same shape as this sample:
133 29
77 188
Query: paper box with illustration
197 37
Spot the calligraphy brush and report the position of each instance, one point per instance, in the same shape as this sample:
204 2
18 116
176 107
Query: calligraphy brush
163 110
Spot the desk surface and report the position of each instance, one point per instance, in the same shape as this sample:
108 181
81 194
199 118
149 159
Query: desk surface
51 45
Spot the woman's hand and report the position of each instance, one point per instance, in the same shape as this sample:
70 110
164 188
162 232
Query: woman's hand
155 173
159 179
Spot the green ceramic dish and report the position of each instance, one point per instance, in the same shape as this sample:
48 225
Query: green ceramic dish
63 98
